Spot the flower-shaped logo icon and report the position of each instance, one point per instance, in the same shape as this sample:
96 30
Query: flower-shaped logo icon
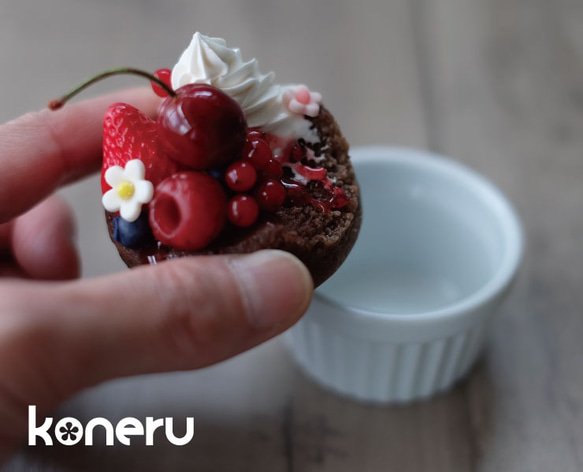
129 190
68 433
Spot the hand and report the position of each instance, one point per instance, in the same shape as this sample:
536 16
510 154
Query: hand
58 336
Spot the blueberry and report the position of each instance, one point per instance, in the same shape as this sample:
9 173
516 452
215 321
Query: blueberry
134 235
218 174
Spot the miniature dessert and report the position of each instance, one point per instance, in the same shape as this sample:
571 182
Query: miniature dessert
233 163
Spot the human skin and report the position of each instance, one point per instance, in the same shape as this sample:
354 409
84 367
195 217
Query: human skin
178 315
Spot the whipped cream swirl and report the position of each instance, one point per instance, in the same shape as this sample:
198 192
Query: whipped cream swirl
208 60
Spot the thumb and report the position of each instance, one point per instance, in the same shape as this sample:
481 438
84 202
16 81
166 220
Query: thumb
178 315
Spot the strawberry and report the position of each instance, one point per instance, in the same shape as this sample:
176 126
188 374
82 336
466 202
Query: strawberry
130 134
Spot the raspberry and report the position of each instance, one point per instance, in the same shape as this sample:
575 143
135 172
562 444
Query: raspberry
188 210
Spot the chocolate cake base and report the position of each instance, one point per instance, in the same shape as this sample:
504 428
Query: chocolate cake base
320 239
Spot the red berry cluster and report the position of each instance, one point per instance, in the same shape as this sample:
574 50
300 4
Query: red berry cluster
199 131
256 180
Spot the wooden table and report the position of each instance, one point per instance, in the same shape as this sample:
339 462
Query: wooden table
497 84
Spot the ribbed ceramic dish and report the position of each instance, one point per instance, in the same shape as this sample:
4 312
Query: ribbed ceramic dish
376 353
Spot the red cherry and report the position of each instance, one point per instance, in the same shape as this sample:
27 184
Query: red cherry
242 210
258 152
188 210
202 127
240 176
199 125
165 75
270 195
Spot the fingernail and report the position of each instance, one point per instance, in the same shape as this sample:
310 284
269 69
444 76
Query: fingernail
276 287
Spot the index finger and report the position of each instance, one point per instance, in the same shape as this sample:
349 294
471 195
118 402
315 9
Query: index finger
43 150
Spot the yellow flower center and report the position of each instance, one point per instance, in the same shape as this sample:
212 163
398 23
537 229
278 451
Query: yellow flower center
125 190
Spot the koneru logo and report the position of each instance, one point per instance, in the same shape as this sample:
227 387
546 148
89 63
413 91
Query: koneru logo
70 431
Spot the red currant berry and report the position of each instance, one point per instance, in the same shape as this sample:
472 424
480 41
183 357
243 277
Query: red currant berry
272 170
255 133
242 210
241 176
258 152
188 210
165 76
270 195
297 153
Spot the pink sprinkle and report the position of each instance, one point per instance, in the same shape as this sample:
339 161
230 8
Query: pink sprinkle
303 96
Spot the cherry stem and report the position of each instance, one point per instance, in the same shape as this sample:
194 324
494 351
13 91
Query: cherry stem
60 102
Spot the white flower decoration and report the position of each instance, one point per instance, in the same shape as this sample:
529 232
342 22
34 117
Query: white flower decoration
301 101
129 190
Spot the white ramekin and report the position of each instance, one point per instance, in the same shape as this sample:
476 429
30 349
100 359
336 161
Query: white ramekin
445 245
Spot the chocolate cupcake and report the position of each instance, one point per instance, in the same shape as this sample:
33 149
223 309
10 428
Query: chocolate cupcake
232 164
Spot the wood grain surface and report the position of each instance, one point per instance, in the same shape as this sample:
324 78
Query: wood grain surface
496 84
